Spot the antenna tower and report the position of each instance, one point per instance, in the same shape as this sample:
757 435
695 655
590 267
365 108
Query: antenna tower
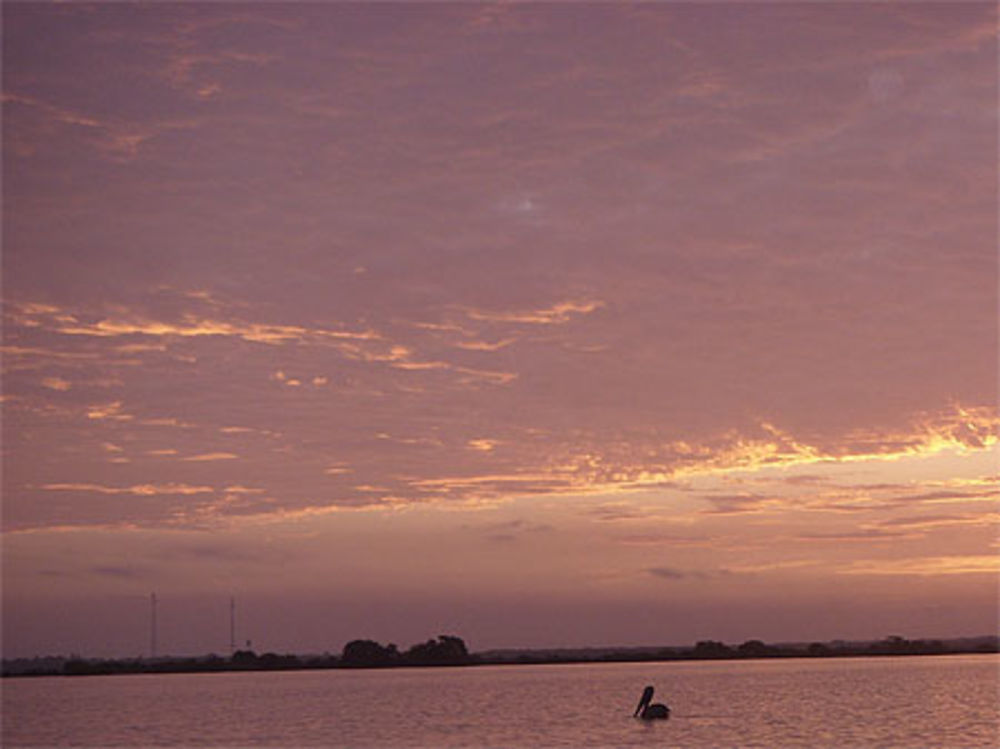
232 625
152 625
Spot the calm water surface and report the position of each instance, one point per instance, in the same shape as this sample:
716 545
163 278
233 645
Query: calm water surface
877 702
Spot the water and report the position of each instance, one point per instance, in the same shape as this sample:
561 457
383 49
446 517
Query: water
871 702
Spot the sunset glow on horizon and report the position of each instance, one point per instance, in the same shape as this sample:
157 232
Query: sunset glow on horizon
538 324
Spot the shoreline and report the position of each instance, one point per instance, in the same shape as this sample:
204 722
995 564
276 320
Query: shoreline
247 661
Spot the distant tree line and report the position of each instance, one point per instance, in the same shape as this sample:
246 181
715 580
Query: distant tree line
715 650
892 645
448 650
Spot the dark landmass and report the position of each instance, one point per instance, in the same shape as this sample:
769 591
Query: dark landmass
448 650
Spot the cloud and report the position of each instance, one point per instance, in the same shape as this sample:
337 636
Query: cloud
482 444
485 345
190 325
116 138
119 572
361 345
182 68
666 539
510 529
864 535
805 480
675 574
42 353
492 377
557 314
238 489
987 494
225 551
112 411
962 430
923 522
738 504
193 328
668 573
143 490
925 566
206 457
611 512
502 537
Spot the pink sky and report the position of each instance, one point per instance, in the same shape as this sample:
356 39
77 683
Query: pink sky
538 324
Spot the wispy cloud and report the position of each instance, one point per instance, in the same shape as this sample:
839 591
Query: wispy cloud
554 315
926 566
361 345
925 522
143 490
117 139
675 574
863 535
57 383
119 572
111 411
483 444
485 345
189 328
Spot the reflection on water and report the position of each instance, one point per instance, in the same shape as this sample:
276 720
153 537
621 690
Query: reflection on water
886 702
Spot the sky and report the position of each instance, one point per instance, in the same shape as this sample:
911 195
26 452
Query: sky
537 324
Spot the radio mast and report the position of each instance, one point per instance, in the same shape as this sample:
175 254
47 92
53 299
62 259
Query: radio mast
152 625
232 625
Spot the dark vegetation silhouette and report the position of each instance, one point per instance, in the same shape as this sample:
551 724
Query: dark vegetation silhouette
368 654
445 651
448 650
712 649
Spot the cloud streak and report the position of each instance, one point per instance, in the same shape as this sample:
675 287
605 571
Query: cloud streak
142 490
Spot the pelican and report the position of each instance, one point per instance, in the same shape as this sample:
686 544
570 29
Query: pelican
646 711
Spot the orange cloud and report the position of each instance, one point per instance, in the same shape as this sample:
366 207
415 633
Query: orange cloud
26 351
484 345
145 490
56 383
558 313
111 411
497 378
35 315
193 327
360 345
922 566
482 445
238 489
937 521
963 430
592 474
